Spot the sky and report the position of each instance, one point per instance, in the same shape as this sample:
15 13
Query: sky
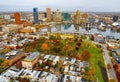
63 5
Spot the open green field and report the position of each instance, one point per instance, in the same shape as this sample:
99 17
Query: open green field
57 46
96 59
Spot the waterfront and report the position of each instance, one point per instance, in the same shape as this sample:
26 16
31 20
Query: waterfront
72 28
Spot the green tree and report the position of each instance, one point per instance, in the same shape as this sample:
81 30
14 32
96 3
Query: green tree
53 37
1 61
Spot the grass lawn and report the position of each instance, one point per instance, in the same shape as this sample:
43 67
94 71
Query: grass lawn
96 56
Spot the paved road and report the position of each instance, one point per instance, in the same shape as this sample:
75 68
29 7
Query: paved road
111 72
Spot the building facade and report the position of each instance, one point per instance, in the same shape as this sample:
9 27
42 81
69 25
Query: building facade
57 16
66 17
30 60
11 28
77 17
115 18
35 15
41 16
48 11
17 18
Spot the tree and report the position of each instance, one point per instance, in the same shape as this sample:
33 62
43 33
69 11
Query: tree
19 64
24 79
28 49
4 63
80 39
111 53
60 64
33 44
17 47
6 50
44 46
41 65
92 37
85 55
112 80
91 71
41 40
79 43
108 66
49 63
89 76
52 37
1 61
67 49
79 57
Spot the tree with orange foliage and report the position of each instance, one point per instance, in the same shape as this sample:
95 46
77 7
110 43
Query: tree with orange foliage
91 71
90 75
78 57
19 64
44 46
85 55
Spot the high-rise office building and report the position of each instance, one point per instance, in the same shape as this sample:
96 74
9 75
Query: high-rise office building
23 15
48 11
115 18
17 18
35 14
57 17
66 17
41 15
77 17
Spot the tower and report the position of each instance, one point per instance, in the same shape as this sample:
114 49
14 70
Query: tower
77 17
115 18
35 14
66 16
57 16
48 11
17 18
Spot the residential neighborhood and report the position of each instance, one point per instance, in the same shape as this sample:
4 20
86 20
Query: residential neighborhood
59 44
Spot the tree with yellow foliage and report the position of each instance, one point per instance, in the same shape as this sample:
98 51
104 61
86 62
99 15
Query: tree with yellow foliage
5 50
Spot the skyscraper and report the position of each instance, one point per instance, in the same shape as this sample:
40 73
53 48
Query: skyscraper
41 15
48 11
77 17
66 16
17 18
115 18
57 17
35 14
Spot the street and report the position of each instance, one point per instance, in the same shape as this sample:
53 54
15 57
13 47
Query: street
111 72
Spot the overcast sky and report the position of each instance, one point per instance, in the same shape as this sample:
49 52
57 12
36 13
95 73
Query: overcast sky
63 5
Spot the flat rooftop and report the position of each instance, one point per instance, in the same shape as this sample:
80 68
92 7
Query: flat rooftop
32 56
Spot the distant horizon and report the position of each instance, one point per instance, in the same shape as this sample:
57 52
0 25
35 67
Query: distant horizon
61 11
63 5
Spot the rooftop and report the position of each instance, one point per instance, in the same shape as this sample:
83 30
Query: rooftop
32 56
115 24
118 52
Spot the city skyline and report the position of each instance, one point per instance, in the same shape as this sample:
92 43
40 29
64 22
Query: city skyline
71 5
